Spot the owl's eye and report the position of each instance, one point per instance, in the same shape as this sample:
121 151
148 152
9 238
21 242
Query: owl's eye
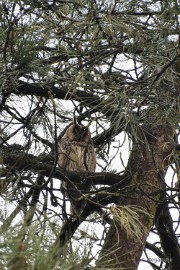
77 131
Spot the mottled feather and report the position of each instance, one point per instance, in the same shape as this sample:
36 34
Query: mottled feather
76 153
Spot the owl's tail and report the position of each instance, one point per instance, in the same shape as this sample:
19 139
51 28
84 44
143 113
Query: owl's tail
76 194
77 207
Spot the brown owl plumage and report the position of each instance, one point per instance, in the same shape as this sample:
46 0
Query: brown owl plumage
76 153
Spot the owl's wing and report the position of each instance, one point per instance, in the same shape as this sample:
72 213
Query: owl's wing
90 158
87 159
76 157
64 151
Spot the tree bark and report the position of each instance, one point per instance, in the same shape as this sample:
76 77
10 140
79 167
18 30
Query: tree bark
148 165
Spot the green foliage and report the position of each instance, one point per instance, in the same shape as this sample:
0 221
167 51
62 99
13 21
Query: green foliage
111 63
128 218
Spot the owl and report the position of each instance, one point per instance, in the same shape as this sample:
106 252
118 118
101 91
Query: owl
76 153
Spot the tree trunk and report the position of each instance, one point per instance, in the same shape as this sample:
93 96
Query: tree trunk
148 165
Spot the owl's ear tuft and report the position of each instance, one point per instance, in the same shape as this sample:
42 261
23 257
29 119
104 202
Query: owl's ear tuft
75 122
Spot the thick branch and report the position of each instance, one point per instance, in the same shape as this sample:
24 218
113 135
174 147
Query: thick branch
169 241
27 162
47 90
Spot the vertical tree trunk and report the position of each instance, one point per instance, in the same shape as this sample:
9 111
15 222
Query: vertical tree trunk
148 165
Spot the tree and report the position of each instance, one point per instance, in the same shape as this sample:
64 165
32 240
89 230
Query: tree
115 64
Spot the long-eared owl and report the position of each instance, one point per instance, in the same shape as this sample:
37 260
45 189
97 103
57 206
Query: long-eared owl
76 153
